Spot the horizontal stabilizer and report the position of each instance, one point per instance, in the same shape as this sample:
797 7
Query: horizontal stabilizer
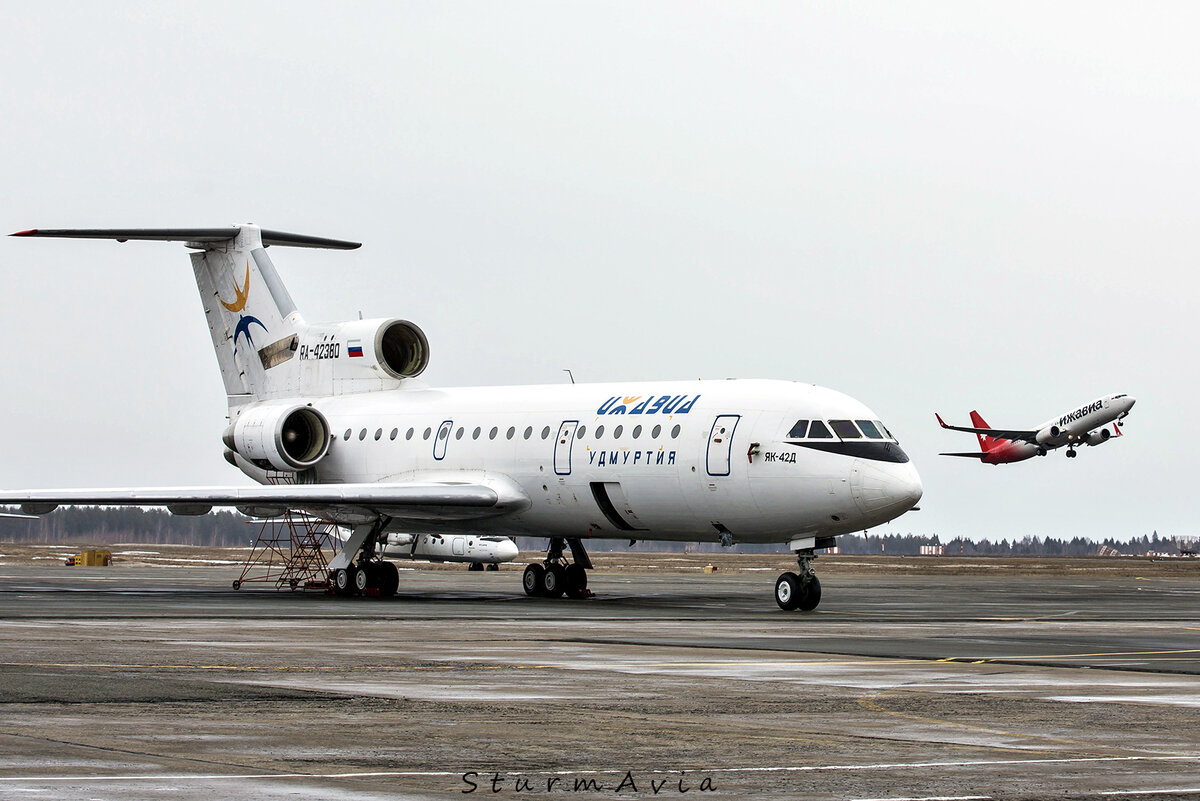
197 235
975 455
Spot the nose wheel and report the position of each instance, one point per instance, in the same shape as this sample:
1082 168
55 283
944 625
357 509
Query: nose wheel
801 590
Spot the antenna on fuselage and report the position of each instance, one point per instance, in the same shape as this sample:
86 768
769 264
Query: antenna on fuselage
567 370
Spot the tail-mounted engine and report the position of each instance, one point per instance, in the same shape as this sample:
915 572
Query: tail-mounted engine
286 437
397 348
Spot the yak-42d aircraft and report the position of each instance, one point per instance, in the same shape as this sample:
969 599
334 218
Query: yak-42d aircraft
1084 425
330 419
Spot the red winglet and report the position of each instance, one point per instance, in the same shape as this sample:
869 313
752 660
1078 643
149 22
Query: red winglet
30 232
940 420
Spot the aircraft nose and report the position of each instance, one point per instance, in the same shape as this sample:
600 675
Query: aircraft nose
905 487
506 551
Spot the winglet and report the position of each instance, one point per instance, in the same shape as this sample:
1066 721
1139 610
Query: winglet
941 422
30 232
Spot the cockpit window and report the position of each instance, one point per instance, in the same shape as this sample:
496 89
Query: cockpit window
883 428
798 430
869 429
845 429
818 431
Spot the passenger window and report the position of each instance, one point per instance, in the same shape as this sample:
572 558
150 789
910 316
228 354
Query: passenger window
395 431
799 430
845 429
675 432
459 434
546 432
637 431
599 432
428 432
617 432
528 432
378 434
512 430
818 431
475 434
362 435
492 434
445 432
409 435
347 437
869 429
582 431
654 432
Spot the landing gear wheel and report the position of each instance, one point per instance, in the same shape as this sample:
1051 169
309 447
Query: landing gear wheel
554 581
532 579
787 591
576 579
1071 454
812 594
493 566
389 579
473 566
343 580
362 578
237 584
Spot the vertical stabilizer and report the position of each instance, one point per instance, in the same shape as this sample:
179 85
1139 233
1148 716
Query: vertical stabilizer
985 442
253 321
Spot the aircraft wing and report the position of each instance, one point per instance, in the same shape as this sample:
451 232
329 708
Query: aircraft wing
995 433
401 501
975 455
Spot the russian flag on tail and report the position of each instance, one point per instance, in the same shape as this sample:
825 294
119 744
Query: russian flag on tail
354 348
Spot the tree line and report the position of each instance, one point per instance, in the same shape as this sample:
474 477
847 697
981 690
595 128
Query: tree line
94 525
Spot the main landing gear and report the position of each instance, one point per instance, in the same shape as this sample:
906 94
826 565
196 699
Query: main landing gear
556 577
799 591
370 575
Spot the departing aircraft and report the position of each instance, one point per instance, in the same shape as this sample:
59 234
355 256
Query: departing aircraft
1083 425
330 419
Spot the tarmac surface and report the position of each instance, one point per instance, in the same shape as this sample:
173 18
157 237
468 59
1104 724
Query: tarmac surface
146 680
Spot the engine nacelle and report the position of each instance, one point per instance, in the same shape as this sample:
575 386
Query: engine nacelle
397 347
1098 437
286 437
1048 435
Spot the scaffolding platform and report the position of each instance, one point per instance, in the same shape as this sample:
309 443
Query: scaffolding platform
291 552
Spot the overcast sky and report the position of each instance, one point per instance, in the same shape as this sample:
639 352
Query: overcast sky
931 207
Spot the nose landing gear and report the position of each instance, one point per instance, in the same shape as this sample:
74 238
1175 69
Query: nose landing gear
800 590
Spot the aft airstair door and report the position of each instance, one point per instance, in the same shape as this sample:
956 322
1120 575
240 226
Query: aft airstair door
720 444
562 447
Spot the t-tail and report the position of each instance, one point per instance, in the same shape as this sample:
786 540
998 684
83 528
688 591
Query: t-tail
265 349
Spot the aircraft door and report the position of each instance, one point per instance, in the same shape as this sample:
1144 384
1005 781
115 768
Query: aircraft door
443 436
720 444
562 447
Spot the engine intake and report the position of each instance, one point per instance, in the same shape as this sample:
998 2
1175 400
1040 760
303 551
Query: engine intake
1047 435
289 438
401 349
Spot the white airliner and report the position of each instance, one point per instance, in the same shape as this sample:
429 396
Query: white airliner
331 420
1083 425
474 550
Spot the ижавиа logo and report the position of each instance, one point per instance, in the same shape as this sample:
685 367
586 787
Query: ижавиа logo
240 295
